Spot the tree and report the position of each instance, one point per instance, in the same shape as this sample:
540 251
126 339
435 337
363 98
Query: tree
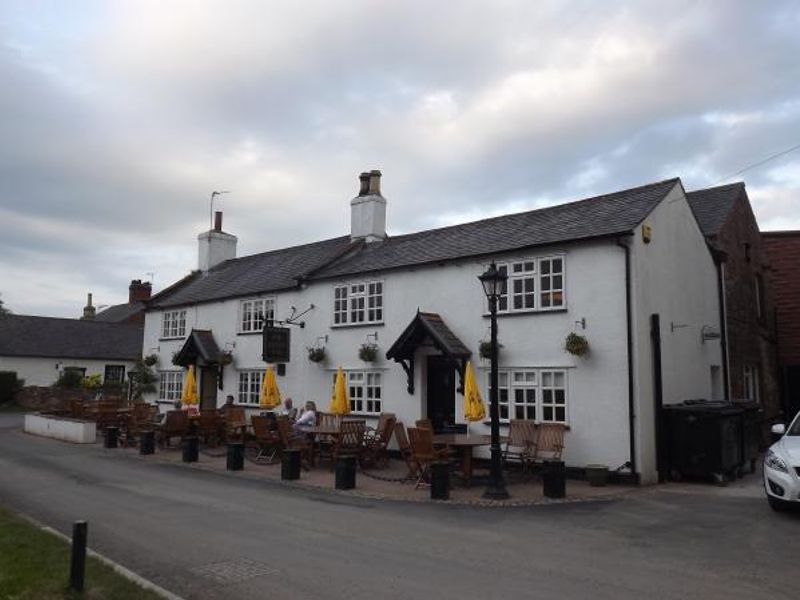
3 309
143 380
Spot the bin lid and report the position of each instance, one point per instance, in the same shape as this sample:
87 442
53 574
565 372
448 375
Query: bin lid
706 407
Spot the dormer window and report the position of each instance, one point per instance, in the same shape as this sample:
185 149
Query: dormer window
357 303
254 313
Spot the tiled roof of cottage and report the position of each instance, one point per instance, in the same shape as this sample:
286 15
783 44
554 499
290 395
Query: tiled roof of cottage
712 206
119 312
22 335
600 216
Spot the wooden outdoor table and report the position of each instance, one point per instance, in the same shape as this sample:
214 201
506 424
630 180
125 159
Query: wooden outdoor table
465 443
317 432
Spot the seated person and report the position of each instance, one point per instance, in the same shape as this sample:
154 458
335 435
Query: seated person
289 410
308 418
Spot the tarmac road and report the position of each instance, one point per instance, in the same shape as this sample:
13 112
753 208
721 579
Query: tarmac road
204 535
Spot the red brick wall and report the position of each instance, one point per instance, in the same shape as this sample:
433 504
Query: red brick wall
783 251
751 339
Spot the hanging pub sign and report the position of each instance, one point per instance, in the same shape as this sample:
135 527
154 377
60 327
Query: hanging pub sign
276 344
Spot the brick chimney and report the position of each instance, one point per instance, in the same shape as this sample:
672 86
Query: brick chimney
89 311
139 291
368 209
215 246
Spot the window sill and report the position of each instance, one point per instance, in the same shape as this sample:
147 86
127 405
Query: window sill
171 339
249 332
346 325
505 424
531 311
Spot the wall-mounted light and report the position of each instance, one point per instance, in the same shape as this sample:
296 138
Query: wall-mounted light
709 332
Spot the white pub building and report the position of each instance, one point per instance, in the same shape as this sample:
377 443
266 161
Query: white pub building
629 271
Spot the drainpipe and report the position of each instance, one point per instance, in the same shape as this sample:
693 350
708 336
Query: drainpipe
624 243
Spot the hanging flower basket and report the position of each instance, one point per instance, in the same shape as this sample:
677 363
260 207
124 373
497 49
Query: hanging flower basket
226 358
576 345
150 360
485 349
368 352
316 354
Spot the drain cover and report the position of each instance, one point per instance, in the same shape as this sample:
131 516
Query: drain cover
233 571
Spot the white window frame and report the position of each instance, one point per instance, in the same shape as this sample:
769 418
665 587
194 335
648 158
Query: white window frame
529 289
173 324
254 313
248 386
531 393
358 302
170 385
365 389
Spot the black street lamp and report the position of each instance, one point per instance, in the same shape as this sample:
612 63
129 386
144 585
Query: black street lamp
493 282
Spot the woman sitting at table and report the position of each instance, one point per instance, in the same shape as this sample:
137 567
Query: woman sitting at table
308 418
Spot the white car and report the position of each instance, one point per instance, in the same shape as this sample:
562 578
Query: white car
782 467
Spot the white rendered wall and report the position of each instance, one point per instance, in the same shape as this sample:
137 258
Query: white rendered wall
45 371
674 276
597 385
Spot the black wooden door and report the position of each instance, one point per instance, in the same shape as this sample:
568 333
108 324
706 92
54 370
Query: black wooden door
441 392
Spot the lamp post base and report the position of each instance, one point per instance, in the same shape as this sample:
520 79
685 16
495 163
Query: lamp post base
496 492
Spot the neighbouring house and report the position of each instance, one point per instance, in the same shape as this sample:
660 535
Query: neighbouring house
748 336
40 349
132 311
630 271
783 252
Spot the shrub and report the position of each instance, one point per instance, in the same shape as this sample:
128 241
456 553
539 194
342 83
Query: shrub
70 379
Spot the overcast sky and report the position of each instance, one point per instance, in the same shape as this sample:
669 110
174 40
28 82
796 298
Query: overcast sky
118 120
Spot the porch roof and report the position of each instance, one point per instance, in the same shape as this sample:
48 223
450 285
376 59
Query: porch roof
199 344
427 326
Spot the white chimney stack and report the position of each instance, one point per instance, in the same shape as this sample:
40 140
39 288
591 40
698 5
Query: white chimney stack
215 246
368 209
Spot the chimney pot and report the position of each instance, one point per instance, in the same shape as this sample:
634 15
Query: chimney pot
218 220
364 180
375 182
89 311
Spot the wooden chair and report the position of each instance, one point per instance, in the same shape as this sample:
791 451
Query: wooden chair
424 424
549 442
235 423
210 426
406 452
176 424
290 441
376 441
521 443
424 453
350 441
267 440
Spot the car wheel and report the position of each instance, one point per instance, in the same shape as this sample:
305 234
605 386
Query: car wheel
776 504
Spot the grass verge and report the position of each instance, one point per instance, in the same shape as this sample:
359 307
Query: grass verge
34 564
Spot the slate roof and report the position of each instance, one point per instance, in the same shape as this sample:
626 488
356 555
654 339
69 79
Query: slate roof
712 206
600 216
22 335
119 312
607 215
258 273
